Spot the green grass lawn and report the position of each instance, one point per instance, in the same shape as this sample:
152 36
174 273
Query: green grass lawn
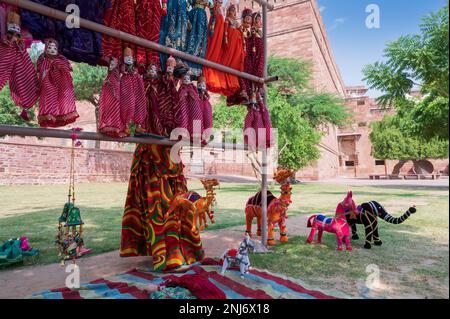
415 252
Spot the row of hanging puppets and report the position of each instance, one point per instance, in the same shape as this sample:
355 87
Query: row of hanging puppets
143 87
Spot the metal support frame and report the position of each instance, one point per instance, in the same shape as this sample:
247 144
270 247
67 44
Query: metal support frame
86 24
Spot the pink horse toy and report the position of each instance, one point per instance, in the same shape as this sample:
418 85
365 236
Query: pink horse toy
337 225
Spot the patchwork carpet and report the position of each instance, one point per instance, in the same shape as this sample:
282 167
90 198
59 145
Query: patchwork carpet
258 284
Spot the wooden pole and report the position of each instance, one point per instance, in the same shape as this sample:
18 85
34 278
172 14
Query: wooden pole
96 27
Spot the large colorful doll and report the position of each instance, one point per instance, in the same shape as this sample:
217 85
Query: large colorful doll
214 48
110 122
168 98
152 86
189 111
133 104
148 19
174 27
233 52
17 67
57 102
197 37
242 95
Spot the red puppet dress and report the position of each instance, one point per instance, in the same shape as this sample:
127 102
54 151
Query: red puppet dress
168 98
216 29
233 53
110 122
190 111
121 16
57 105
152 86
17 67
148 19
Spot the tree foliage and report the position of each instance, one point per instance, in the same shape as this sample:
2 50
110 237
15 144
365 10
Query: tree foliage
9 112
389 142
417 60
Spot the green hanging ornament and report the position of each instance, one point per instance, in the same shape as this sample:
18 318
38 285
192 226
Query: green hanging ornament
65 213
74 218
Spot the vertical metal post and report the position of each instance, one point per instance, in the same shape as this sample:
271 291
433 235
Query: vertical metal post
264 151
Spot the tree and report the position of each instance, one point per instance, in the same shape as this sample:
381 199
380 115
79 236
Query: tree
389 142
417 60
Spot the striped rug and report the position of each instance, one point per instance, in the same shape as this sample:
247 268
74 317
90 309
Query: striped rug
258 284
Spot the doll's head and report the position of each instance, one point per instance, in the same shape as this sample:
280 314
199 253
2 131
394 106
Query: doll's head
231 12
13 27
201 83
113 64
257 20
181 71
171 64
51 47
247 18
153 70
128 58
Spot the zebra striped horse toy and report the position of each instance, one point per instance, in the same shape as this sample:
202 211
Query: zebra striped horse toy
239 256
368 216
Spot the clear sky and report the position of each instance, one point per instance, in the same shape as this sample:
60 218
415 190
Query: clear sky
354 45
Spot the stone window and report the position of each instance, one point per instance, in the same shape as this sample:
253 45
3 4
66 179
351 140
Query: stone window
380 162
350 163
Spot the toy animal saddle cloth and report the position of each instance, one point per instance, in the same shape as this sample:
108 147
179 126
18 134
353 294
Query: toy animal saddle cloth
256 200
324 219
192 196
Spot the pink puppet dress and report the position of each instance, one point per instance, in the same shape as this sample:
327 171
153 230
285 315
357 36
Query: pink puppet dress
207 115
189 111
133 104
57 105
16 66
168 98
152 85
110 122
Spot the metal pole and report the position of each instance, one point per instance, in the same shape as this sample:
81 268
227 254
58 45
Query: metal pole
96 27
264 151
91 136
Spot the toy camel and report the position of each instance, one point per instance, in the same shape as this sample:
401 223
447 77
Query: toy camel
276 208
192 205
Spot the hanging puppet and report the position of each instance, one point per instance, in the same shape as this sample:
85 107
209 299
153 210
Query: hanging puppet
233 52
214 48
148 19
16 67
57 101
174 28
121 16
189 110
110 122
242 95
197 36
257 56
205 103
133 104
168 98
152 86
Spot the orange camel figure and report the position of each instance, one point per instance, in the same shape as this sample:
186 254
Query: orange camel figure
276 208
192 205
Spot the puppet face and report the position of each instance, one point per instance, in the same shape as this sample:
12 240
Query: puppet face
153 71
187 79
128 60
201 85
258 22
170 69
248 21
14 32
113 64
232 13
51 49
